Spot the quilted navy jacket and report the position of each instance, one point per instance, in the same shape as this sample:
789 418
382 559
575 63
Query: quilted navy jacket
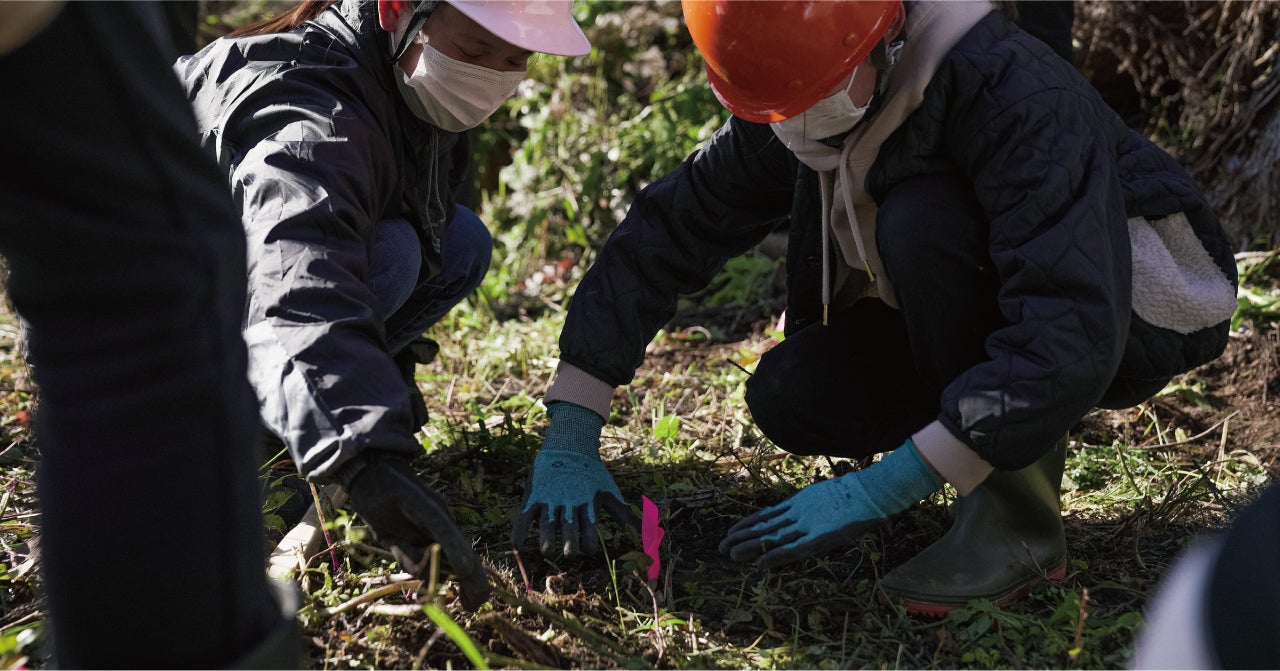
1006 114
318 146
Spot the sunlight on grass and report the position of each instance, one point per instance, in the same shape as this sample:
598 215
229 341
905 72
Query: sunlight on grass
1111 476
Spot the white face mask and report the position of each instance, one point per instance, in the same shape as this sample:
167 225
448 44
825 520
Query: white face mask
831 116
453 95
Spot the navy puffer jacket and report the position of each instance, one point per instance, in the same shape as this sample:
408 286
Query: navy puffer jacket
318 146
1058 174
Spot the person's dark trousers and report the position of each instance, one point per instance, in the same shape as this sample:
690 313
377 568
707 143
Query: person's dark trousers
128 263
847 389
1243 601
182 18
1050 21
872 377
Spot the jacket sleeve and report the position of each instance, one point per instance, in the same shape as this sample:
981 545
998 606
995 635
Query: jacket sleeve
310 176
677 234
1039 149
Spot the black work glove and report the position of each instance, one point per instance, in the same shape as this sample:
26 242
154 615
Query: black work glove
420 351
406 516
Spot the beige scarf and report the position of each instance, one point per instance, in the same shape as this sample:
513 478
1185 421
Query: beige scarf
849 212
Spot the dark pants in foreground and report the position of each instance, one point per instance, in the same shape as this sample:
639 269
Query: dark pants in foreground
128 264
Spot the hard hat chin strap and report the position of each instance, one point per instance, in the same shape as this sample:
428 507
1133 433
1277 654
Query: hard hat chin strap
420 14
884 57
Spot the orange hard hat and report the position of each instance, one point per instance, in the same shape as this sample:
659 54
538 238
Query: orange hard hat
769 60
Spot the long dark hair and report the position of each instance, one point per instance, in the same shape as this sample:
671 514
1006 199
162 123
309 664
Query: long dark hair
285 21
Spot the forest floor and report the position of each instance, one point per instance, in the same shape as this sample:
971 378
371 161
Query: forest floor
1140 485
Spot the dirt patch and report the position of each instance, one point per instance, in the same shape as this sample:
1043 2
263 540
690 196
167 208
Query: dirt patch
1229 404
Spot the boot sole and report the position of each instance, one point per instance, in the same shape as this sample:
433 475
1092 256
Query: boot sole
940 610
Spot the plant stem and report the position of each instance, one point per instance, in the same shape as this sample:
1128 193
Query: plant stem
324 527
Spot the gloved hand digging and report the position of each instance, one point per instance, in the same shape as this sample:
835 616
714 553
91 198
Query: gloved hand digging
832 513
406 516
570 484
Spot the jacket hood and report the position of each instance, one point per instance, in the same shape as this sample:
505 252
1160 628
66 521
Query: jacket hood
848 211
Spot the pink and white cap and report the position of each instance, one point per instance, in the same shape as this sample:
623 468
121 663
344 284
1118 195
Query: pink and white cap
544 26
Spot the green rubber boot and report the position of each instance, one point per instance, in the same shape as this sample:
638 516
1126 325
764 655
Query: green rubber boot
1007 535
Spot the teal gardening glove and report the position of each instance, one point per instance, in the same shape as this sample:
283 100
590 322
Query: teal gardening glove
832 513
570 484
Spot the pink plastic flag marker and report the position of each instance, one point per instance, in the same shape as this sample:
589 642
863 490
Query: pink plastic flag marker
651 533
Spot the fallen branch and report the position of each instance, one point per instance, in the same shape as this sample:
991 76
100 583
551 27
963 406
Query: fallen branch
386 590
395 609
324 527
